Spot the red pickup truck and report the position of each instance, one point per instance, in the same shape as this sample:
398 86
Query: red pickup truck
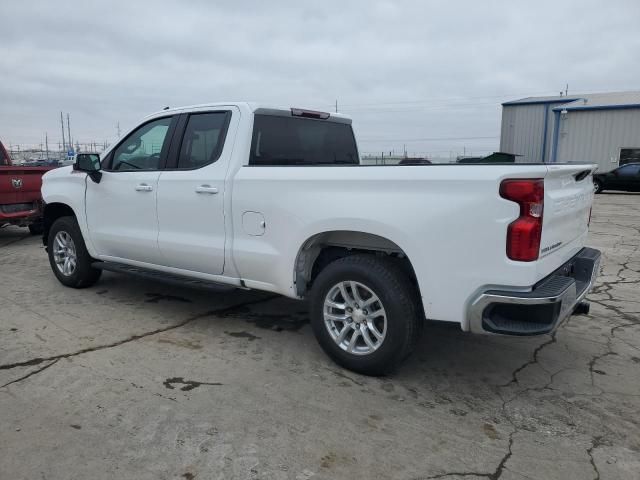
20 199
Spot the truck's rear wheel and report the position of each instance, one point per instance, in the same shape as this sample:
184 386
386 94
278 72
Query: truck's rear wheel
68 255
364 313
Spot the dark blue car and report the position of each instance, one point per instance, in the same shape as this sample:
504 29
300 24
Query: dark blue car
626 178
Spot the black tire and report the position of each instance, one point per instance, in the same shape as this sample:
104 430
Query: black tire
597 186
385 278
36 228
84 275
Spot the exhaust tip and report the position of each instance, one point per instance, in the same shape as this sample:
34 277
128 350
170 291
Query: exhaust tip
582 308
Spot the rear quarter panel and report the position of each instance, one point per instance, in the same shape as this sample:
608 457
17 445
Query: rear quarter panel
448 219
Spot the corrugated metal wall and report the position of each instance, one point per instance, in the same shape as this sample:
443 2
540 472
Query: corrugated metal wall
522 131
597 136
523 128
550 120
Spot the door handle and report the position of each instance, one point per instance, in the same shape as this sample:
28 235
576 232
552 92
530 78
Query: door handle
207 189
143 187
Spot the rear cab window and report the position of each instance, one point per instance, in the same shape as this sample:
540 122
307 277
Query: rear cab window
203 139
282 140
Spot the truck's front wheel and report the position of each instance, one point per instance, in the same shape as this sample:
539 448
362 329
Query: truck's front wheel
364 313
68 255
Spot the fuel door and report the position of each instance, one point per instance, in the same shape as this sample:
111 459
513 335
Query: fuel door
253 223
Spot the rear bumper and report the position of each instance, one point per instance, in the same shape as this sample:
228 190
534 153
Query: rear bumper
20 213
541 309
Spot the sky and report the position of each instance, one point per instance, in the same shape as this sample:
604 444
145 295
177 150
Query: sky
428 76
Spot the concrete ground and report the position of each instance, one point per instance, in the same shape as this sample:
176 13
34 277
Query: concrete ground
139 380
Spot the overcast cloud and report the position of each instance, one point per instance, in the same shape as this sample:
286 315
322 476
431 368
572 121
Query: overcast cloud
405 71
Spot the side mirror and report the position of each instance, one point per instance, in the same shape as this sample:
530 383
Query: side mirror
90 164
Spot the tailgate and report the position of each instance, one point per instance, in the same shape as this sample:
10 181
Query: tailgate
568 194
20 184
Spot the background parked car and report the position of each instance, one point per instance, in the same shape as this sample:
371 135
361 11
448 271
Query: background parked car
626 178
415 161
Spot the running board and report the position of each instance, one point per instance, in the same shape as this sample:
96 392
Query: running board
165 277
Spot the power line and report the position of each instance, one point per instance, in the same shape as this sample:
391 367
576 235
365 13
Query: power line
433 139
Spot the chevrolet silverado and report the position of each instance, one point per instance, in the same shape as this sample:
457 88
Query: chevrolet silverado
276 199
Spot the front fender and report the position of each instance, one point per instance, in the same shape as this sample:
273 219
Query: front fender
68 187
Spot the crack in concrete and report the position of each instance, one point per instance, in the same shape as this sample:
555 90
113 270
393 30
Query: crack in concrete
495 475
457 474
533 361
500 468
595 443
611 308
40 360
30 374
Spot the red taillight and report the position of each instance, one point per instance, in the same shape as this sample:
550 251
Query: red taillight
524 233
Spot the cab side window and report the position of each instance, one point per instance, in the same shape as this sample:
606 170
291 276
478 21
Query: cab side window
203 139
141 150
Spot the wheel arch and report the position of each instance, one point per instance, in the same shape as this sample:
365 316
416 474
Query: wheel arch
53 211
322 248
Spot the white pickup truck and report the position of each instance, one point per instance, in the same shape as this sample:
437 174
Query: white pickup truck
275 199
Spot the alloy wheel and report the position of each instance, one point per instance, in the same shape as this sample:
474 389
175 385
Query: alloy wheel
64 253
355 318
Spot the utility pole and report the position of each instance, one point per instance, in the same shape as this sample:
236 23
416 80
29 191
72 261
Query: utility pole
336 105
118 127
69 132
64 143
46 142
566 90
